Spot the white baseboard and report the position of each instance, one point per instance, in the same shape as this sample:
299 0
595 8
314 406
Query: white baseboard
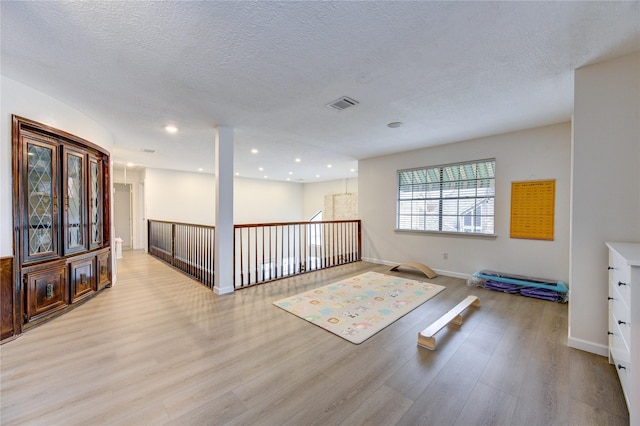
381 262
452 274
437 271
583 345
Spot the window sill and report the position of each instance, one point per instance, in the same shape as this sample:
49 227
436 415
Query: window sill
449 234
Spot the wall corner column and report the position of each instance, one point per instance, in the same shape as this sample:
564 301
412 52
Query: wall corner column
223 262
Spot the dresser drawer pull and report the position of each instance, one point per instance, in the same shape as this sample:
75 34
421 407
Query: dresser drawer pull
610 333
621 283
621 322
610 268
610 298
621 367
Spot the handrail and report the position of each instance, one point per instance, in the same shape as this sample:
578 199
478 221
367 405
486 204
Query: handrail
294 223
263 252
270 251
187 247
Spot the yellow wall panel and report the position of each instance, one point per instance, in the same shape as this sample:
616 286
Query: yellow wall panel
532 209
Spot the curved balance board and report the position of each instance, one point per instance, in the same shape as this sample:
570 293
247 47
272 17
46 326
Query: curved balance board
419 266
426 338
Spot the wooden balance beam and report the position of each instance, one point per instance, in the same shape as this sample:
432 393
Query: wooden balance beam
419 266
426 337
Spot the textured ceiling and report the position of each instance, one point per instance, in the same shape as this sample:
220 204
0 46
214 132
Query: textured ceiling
448 70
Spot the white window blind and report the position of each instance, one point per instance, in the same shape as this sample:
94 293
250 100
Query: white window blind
455 198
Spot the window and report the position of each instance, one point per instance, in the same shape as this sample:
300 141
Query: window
316 217
315 230
455 198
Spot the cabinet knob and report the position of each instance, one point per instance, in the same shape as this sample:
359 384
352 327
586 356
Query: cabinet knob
621 283
610 268
621 322
621 367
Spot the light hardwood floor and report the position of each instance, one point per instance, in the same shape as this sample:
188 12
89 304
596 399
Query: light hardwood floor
159 348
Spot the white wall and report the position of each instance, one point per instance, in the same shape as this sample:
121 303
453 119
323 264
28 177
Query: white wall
264 201
313 194
180 196
129 175
605 188
29 103
190 198
540 153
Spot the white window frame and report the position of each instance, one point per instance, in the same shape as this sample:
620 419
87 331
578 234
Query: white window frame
436 199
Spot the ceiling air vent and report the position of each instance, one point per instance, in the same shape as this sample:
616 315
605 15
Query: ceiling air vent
148 151
342 103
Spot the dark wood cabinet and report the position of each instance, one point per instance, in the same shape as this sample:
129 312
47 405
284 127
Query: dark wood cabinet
95 198
74 200
82 279
37 196
46 289
103 269
7 299
61 209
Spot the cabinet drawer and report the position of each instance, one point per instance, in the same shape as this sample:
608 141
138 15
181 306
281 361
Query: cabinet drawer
104 270
82 279
620 326
620 276
617 303
622 364
621 358
46 291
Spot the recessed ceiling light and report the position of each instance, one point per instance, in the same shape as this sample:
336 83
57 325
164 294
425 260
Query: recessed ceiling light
352 170
317 176
254 151
395 124
329 166
237 173
266 177
130 164
200 169
171 129
290 173
261 169
298 160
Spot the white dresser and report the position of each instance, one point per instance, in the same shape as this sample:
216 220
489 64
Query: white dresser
624 321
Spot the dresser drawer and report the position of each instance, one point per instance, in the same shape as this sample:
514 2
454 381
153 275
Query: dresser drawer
624 373
617 302
621 357
620 326
620 276
623 367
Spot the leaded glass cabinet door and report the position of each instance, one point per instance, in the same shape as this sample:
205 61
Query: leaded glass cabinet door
73 190
40 232
95 202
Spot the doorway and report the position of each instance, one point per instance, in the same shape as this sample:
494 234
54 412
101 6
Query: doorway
122 213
